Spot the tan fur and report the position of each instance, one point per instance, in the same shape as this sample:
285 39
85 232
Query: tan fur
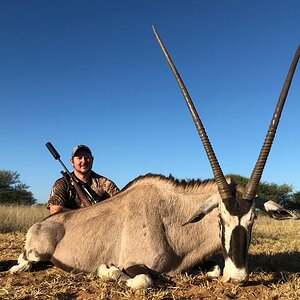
140 225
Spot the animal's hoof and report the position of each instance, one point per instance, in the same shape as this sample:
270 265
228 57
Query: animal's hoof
102 271
140 281
13 270
215 272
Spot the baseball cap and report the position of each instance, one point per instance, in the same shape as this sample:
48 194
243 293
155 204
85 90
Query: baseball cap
76 148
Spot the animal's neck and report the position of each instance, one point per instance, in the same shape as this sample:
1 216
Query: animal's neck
181 207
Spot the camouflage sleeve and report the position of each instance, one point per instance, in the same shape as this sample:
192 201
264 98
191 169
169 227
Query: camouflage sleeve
110 187
59 193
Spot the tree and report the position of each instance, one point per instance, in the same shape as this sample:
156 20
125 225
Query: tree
295 203
13 190
296 197
283 194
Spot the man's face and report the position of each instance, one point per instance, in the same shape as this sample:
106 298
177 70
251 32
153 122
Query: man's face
82 161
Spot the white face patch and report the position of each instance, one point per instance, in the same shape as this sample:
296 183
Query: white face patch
236 235
247 222
229 222
248 219
232 273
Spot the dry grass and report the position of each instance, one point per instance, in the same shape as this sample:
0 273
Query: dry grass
20 218
274 263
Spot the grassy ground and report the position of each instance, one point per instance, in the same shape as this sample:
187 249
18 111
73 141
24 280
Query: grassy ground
20 218
274 263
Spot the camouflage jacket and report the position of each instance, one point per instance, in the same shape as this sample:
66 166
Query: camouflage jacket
64 194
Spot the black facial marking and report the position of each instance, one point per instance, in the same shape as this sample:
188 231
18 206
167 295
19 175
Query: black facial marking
238 246
222 228
238 249
237 206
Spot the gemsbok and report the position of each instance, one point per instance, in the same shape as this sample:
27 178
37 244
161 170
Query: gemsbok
158 224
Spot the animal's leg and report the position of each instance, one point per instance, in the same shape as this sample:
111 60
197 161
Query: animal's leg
25 261
23 265
103 271
40 244
139 281
141 277
215 271
215 266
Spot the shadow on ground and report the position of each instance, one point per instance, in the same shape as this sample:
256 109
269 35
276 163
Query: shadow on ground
5 265
279 262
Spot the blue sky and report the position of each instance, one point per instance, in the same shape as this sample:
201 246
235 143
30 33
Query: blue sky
91 72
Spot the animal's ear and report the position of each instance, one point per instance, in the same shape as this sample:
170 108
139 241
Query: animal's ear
206 207
274 210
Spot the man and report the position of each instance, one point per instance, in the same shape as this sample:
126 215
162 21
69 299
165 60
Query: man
63 194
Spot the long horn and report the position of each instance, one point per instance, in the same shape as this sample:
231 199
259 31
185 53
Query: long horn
252 185
217 171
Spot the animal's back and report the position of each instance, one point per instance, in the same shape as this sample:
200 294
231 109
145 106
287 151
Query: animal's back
140 225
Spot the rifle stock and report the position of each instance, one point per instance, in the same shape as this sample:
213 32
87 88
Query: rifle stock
84 200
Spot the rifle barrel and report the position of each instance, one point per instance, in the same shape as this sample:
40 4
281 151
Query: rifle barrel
53 150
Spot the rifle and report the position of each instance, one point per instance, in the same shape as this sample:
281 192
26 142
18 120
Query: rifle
83 194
